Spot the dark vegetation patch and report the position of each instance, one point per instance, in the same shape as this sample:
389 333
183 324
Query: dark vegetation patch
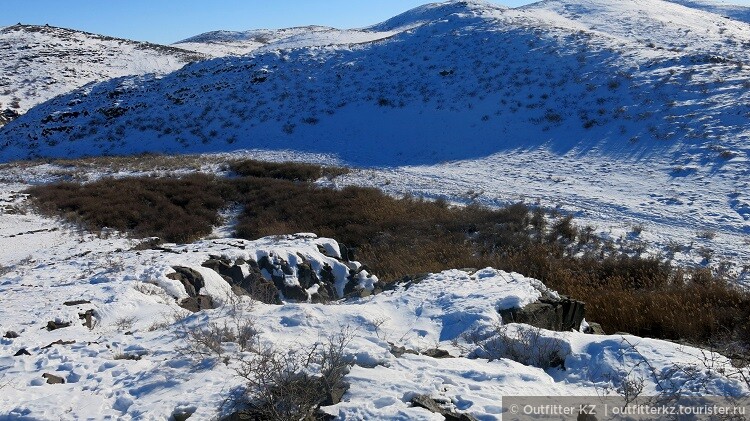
175 209
294 171
404 237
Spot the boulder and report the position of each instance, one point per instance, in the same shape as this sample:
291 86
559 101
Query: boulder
563 314
306 275
21 352
182 414
190 279
437 353
261 289
294 292
197 303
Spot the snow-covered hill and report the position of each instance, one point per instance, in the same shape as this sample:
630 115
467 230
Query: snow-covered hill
41 62
230 43
724 8
479 79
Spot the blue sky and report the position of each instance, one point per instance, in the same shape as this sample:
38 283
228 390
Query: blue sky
168 21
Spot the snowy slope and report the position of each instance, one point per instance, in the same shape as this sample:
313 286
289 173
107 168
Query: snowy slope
478 80
40 62
724 8
134 363
230 43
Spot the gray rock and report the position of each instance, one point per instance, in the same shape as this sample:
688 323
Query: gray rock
224 267
562 314
181 414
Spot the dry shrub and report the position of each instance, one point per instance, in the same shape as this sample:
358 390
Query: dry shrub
294 171
291 384
527 345
174 209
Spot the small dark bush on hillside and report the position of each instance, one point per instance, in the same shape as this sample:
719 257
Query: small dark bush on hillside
294 171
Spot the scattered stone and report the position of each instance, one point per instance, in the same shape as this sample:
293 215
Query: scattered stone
53 325
58 342
562 315
52 379
398 351
11 334
76 302
88 318
21 352
437 353
433 405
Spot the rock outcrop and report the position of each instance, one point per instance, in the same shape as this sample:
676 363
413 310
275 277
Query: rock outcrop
552 313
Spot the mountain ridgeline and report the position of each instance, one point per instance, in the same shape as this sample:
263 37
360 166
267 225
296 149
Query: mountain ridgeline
451 80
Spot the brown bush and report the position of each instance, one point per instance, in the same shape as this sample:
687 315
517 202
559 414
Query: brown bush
294 171
174 209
